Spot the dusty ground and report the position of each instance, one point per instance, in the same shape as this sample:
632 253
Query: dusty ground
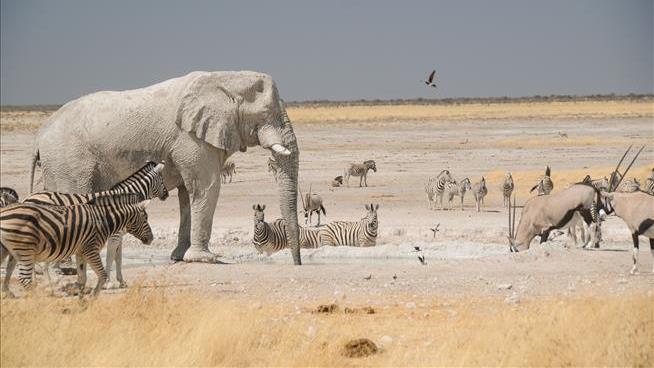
467 258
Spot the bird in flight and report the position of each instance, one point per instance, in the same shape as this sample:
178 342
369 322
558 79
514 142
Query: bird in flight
435 229
430 80
422 260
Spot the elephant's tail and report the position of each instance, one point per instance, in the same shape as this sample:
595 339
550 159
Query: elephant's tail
36 160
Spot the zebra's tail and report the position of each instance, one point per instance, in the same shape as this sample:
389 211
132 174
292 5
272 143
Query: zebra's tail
36 158
323 210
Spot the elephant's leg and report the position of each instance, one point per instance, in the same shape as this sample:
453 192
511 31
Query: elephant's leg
184 234
114 253
203 205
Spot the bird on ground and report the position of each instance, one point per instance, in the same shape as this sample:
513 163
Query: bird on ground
417 248
435 229
430 79
368 277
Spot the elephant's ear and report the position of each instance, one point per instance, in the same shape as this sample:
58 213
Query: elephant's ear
210 112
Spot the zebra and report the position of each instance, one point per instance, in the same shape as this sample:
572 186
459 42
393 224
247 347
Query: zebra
361 233
507 188
360 170
436 187
544 184
34 233
270 237
147 181
453 189
229 169
649 184
479 190
273 166
629 186
600 184
7 196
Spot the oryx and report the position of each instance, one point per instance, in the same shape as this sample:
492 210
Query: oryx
312 202
637 211
544 213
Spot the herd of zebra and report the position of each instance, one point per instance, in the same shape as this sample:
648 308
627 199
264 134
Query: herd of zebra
444 185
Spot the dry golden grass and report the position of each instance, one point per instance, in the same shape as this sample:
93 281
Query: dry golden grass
540 110
144 328
30 120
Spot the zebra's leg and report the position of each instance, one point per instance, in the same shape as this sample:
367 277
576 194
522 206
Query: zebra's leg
651 249
360 181
230 177
81 272
26 272
634 269
92 257
365 179
184 234
11 264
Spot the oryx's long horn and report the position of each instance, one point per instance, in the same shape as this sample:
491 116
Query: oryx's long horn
513 224
304 206
612 180
629 167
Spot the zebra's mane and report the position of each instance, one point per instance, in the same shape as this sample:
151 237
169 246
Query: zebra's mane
145 169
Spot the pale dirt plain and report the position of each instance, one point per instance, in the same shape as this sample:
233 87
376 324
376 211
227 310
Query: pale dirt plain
472 303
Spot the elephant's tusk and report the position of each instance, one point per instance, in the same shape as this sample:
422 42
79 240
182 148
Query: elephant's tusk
280 149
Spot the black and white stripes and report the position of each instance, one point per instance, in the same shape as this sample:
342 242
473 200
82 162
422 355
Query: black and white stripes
33 233
271 237
361 233
436 187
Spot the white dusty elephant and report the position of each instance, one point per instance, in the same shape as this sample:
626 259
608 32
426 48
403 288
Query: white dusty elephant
193 123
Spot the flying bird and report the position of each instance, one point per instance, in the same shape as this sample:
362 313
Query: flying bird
421 258
430 80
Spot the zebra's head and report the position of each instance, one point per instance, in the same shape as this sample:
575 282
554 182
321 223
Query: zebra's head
465 184
371 217
157 186
509 177
7 196
138 225
370 164
445 176
259 217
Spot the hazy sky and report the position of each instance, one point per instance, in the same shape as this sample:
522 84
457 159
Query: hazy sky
54 51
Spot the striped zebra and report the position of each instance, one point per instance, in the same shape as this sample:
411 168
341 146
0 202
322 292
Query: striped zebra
270 237
507 188
649 184
479 190
629 186
599 184
360 170
147 182
544 184
45 233
7 196
361 233
436 187
229 169
453 189
273 167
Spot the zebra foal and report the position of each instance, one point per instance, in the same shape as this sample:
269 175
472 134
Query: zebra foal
36 233
361 233
479 190
507 188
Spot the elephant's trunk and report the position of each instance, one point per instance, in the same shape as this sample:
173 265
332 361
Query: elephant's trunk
287 180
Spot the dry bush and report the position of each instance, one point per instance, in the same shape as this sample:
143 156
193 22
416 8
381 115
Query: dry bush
144 328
